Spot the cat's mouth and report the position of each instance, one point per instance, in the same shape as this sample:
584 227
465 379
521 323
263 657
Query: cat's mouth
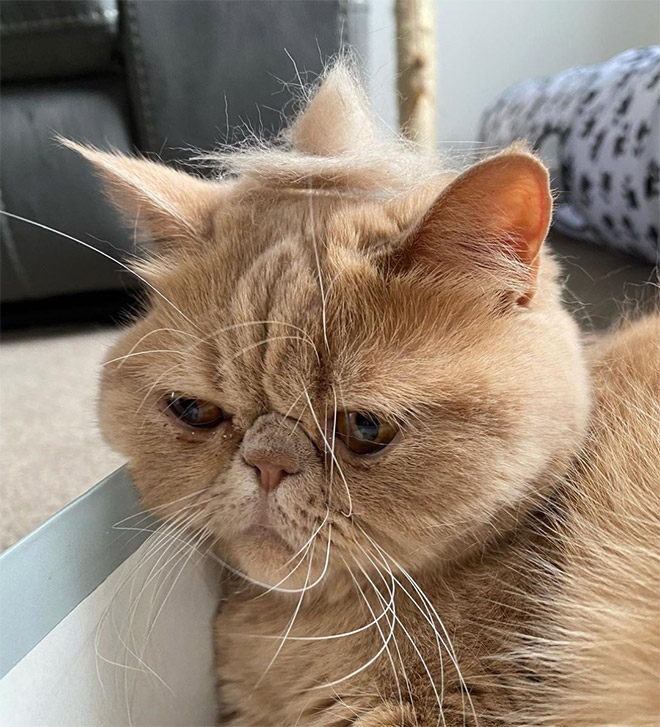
264 525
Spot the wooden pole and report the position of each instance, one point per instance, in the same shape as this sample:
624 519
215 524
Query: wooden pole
416 69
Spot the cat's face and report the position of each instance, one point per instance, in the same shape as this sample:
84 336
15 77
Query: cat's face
323 373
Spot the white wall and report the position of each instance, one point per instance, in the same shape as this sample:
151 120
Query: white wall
483 46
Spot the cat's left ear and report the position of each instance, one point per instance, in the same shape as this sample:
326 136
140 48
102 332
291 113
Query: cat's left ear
170 206
494 217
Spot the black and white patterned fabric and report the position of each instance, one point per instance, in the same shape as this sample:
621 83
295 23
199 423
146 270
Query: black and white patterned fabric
603 123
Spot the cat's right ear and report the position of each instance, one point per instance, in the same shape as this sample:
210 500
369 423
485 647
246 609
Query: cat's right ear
171 207
491 221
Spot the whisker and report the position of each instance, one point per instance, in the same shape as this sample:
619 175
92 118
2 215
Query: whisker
448 646
380 630
261 584
179 555
329 637
161 539
104 254
332 454
158 508
151 550
141 353
360 669
276 586
155 384
193 549
159 330
291 621
392 591
439 696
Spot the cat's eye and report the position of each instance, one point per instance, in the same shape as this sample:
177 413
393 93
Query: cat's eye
195 413
364 432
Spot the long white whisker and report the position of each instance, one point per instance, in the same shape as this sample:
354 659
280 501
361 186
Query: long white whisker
261 584
104 254
439 696
157 508
141 353
438 639
391 588
161 539
193 549
153 332
291 621
380 630
152 549
447 644
332 454
181 555
311 537
276 586
361 668
155 384
329 637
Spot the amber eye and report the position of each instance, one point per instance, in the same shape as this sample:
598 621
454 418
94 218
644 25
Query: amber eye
194 413
364 432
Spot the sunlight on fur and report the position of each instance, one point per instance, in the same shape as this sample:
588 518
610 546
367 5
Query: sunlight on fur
356 387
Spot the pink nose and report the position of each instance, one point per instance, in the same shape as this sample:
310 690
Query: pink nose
273 467
270 475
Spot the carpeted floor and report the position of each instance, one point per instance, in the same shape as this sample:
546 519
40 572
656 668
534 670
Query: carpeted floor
50 448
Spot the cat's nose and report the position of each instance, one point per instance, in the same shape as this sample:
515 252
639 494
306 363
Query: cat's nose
276 448
271 466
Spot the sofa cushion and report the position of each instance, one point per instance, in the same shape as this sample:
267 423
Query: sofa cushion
44 39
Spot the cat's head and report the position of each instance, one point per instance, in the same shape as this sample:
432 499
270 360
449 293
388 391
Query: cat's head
346 349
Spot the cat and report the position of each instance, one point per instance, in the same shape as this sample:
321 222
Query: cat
356 380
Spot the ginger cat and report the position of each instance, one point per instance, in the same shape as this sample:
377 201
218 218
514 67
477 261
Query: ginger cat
356 379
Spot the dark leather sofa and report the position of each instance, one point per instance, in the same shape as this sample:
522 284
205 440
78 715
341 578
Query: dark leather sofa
162 77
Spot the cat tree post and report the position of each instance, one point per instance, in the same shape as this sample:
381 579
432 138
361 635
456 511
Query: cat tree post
416 69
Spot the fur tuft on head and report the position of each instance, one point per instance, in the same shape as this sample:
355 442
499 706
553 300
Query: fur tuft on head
334 143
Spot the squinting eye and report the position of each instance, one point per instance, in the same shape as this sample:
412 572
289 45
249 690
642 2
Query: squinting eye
194 413
364 432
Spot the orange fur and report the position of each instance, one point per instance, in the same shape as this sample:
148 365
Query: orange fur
338 270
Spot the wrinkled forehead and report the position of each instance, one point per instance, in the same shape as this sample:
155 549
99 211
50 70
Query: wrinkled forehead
291 311
304 324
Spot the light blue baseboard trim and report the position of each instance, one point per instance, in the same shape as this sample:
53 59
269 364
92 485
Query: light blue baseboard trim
48 573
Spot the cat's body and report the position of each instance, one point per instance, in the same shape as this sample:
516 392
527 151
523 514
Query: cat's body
357 383
600 653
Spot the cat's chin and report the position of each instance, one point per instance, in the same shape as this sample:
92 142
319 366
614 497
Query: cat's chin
265 557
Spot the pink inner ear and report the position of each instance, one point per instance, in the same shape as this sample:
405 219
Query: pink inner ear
522 211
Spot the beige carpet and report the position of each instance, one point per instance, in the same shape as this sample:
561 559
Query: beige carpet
50 448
